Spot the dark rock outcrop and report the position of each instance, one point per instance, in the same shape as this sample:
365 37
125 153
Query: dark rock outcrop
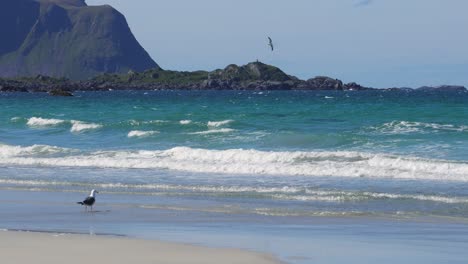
61 93
322 83
253 76
447 88
66 38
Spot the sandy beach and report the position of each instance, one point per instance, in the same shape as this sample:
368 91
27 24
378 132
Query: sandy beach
29 247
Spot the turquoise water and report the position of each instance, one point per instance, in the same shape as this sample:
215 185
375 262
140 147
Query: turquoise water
396 154
241 158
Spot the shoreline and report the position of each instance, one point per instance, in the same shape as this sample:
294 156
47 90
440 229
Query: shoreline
51 247
52 217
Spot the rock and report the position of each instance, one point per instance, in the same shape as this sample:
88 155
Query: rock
84 40
60 93
253 76
322 83
442 88
250 72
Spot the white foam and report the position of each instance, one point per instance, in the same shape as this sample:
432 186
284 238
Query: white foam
248 162
185 122
156 122
278 193
214 131
80 126
7 151
420 197
219 123
42 122
138 133
407 127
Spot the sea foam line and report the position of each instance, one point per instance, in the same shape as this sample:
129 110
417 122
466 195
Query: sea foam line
80 126
219 123
277 193
213 131
138 133
76 125
407 127
43 122
246 162
185 122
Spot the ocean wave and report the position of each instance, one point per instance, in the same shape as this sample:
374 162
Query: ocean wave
138 133
276 193
219 123
250 162
80 126
213 131
407 127
185 122
42 122
7 151
76 125
282 213
155 122
16 119
278 212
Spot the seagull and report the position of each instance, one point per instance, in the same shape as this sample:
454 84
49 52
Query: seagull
271 44
89 201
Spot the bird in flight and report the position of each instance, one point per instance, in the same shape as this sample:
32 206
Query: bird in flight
89 201
270 43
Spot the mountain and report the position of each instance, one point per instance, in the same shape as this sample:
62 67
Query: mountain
66 38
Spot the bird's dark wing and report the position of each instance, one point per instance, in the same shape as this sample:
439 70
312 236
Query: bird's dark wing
270 43
89 201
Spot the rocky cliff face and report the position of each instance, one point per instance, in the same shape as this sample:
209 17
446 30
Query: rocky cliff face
66 38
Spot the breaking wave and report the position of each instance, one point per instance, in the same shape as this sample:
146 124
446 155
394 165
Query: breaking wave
138 133
76 125
80 126
214 131
244 162
219 123
275 193
43 122
407 127
185 122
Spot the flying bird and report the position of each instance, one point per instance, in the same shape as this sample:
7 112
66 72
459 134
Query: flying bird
270 43
90 200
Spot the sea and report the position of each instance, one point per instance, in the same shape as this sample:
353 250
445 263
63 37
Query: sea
308 176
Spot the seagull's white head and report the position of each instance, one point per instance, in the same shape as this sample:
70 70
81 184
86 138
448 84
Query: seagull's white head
93 193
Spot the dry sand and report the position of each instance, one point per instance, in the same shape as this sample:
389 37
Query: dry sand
38 248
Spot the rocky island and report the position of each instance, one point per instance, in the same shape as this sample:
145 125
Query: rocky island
253 76
58 46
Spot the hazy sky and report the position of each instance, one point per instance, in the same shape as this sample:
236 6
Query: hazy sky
379 43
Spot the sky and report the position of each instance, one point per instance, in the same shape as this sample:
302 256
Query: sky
377 43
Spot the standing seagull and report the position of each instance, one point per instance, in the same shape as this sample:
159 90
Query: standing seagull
89 201
270 43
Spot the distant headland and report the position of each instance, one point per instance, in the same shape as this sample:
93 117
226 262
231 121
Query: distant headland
65 45
252 76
